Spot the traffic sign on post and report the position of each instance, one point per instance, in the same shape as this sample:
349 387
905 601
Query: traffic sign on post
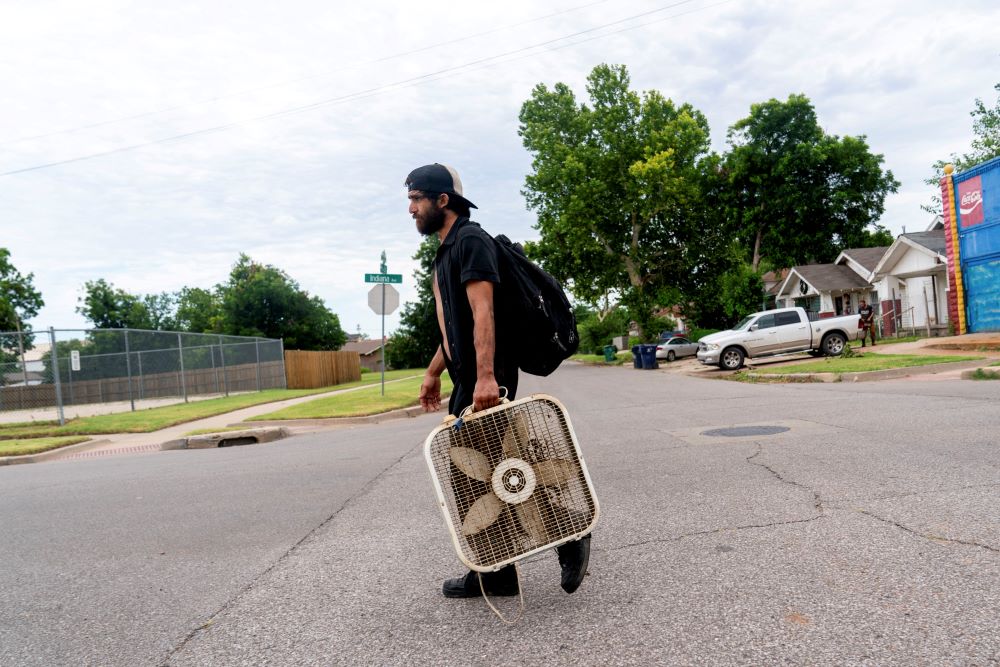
384 278
375 302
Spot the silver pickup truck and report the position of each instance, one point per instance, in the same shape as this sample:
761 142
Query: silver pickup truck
777 332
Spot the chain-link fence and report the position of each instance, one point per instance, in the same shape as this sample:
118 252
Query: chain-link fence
46 372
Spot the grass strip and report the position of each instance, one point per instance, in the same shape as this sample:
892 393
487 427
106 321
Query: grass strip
359 403
154 419
599 360
21 447
863 363
985 374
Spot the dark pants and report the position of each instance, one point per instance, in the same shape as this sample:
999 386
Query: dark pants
868 330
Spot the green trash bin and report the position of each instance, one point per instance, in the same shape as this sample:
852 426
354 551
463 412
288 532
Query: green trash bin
610 352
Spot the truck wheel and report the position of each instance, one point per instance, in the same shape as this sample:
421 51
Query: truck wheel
731 359
670 355
833 344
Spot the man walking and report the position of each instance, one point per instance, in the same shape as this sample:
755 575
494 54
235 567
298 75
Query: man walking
867 315
474 348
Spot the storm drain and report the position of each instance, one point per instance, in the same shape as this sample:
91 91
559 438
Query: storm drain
236 442
745 431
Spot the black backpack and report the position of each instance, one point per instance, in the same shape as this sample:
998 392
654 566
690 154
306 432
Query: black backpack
543 330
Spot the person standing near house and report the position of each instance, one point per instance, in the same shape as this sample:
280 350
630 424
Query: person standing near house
867 322
474 346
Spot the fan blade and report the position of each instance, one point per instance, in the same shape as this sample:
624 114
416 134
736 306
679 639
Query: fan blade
531 519
555 472
472 462
516 437
482 514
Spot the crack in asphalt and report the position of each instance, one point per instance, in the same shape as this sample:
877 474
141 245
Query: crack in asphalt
817 501
714 531
228 604
928 536
909 494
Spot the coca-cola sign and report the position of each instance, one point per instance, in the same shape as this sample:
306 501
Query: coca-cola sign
970 201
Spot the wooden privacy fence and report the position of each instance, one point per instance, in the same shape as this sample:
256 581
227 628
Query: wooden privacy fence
309 370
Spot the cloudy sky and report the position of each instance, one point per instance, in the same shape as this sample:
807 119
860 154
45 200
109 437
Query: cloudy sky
149 143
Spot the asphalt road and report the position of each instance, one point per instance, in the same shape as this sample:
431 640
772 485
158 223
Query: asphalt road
867 533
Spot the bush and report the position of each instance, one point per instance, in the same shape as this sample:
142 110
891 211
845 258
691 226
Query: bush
596 333
696 334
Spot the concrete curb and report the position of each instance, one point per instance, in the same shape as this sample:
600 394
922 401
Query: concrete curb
247 436
53 453
402 413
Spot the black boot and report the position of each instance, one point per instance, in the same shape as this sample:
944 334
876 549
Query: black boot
503 582
573 559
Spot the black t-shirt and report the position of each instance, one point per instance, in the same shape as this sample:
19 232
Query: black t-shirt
468 253
866 313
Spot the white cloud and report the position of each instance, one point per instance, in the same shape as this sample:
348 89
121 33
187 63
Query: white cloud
319 193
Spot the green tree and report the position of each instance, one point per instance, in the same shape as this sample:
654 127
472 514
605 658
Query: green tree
985 146
19 301
416 340
797 194
110 307
262 300
198 310
615 186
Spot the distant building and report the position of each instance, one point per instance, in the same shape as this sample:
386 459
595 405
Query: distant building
370 352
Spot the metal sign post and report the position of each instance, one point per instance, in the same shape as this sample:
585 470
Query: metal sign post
383 299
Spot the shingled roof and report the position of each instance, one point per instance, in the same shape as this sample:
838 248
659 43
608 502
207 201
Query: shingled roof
829 277
933 240
363 347
866 257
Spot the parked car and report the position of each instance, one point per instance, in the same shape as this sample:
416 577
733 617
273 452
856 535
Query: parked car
675 347
780 331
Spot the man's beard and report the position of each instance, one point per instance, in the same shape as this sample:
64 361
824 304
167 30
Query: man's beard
432 222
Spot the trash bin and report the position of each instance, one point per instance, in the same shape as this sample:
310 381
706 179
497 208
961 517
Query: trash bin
636 357
609 352
648 354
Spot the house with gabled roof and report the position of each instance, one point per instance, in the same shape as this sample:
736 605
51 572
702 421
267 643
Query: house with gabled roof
370 352
832 289
907 283
913 275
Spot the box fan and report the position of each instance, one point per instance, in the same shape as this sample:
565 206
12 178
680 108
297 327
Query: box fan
511 481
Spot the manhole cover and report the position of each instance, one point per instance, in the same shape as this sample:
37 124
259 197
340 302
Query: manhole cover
744 431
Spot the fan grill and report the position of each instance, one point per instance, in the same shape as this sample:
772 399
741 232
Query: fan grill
512 481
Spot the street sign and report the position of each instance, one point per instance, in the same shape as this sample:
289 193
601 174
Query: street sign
383 277
375 299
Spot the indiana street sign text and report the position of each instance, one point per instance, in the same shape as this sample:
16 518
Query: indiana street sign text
383 277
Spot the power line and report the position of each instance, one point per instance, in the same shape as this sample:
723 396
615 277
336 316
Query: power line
278 84
404 83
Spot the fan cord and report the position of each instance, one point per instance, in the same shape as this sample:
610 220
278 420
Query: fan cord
520 594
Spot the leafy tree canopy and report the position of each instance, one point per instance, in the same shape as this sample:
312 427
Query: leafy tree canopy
256 300
615 185
198 310
19 300
262 300
985 146
110 307
796 194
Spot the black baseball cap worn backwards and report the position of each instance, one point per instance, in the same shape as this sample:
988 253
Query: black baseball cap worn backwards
437 178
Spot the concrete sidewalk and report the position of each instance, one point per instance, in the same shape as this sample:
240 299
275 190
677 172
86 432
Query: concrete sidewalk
133 443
